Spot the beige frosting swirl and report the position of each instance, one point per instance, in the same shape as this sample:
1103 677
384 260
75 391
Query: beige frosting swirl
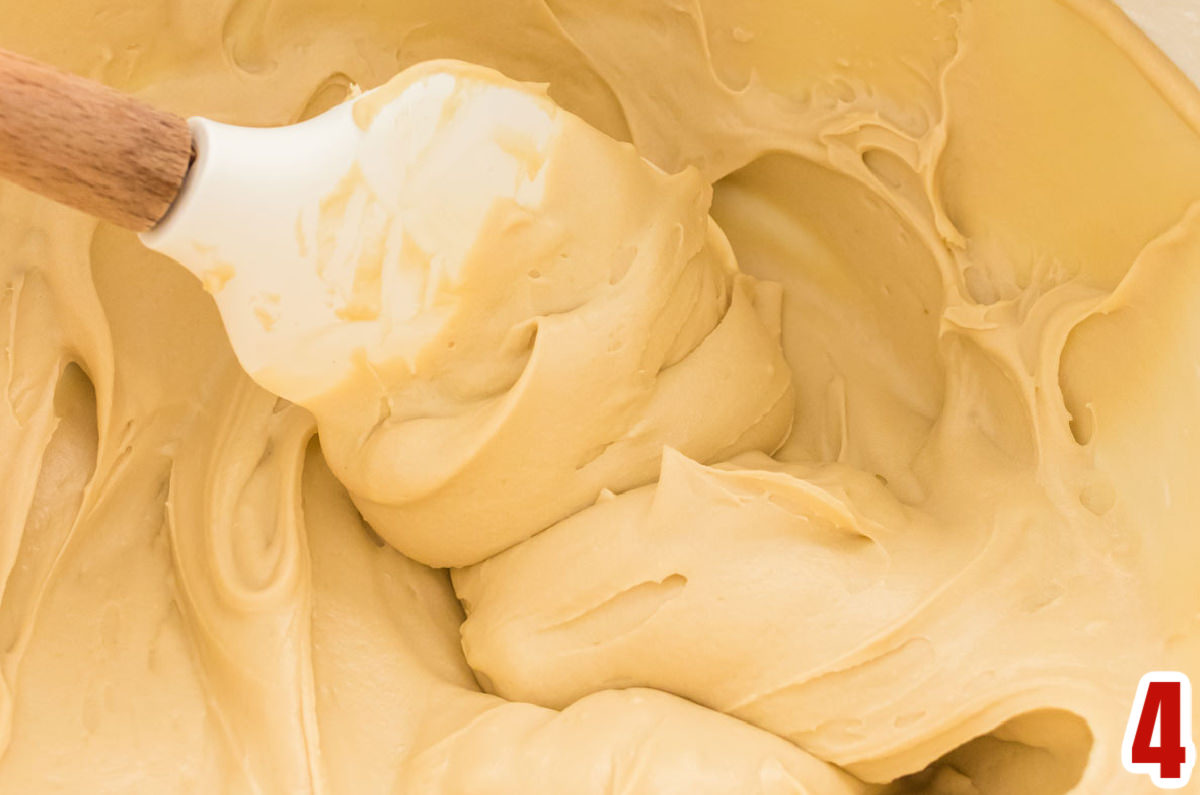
529 312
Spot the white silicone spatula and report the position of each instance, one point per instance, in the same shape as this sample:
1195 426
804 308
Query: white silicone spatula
217 198
189 186
286 226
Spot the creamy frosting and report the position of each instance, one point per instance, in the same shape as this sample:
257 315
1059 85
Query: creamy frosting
940 567
493 310
577 311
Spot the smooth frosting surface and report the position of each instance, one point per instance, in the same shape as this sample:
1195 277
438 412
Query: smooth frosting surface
849 448
536 311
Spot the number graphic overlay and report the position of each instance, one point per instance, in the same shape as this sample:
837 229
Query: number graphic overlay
1158 739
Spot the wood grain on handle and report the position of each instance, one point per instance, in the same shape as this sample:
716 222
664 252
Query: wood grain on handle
82 143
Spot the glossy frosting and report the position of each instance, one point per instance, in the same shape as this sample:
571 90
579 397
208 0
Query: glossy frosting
524 312
972 230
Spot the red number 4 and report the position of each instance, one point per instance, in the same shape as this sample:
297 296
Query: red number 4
1158 739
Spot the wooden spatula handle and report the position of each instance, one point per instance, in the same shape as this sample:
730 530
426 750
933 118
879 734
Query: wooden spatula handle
84 144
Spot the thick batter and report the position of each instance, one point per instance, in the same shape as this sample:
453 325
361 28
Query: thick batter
942 570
